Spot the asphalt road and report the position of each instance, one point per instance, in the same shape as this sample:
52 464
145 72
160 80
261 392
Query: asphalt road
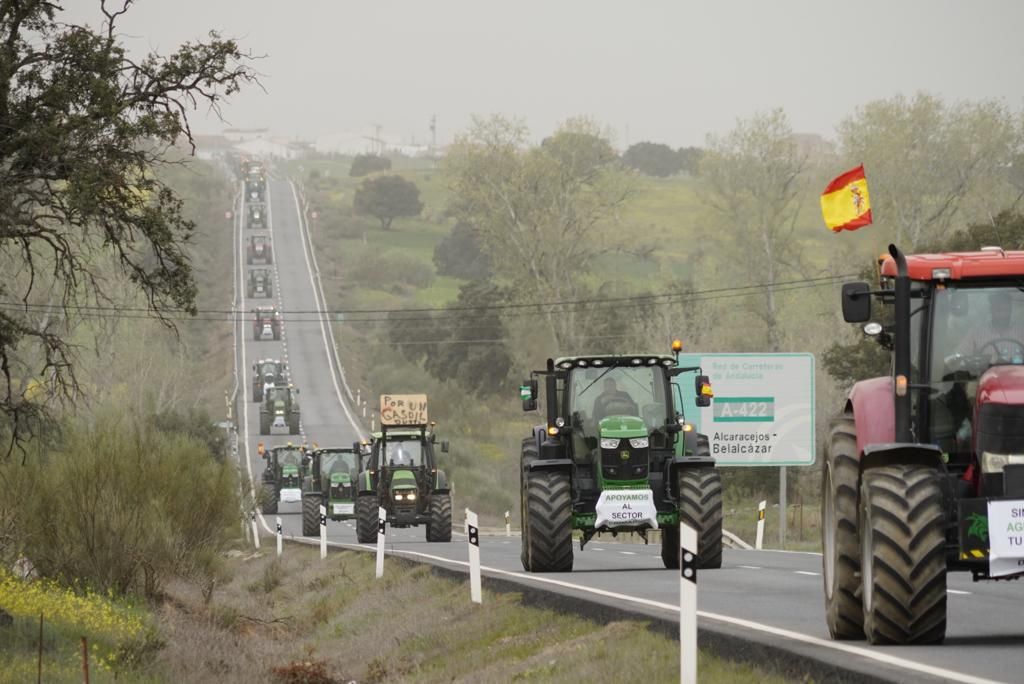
773 598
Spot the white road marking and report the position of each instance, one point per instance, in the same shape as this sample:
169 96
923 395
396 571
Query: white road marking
751 567
958 592
805 572
627 553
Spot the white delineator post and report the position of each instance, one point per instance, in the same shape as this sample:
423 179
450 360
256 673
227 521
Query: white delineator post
382 523
323 532
508 524
255 530
473 538
760 525
280 538
687 604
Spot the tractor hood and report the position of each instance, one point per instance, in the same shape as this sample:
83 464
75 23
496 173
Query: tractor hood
1001 385
622 427
403 479
340 479
289 471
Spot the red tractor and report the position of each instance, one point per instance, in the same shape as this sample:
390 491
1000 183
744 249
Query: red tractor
266 323
921 465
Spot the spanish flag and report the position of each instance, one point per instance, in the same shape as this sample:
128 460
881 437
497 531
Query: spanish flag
845 203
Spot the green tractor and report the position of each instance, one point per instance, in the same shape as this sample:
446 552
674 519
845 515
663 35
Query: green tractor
616 456
280 409
267 373
401 475
330 478
282 476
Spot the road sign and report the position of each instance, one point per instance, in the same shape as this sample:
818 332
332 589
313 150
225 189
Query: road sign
763 409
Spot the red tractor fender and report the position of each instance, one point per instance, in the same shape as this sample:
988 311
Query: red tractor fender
874 412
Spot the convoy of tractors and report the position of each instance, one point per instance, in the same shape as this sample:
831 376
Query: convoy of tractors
913 464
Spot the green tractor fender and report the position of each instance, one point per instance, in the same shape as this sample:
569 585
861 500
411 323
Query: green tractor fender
551 453
366 484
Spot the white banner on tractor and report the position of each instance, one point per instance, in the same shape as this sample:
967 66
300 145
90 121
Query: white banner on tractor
626 507
1006 538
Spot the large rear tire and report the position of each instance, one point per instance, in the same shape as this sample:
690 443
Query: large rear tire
439 529
840 494
270 496
700 507
311 514
366 519
528 455
903 555
548 537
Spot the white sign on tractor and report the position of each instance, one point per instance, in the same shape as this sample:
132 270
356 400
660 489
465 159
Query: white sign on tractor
632 507
763 407
1006 538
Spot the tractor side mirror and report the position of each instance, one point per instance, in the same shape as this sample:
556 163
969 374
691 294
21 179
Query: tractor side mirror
528 393
444 447
704 392
856 302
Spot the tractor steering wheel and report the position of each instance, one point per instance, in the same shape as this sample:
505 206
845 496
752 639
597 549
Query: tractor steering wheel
994 344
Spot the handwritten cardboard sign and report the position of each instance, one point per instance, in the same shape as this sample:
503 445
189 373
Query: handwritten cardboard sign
403 409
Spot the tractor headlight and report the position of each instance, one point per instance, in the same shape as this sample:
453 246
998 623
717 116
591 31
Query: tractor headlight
399 496
411 496
994 463
607 443
639 443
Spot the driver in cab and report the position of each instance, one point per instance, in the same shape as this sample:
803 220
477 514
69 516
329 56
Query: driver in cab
612 401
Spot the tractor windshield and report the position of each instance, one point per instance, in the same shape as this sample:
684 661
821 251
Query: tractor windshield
596 393
973 329
268 369
289 457
404 453
338 462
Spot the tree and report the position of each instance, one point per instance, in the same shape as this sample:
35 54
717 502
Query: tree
365 164
82 127
653 159
387 198
931 165
689 159
461 255
545 213
753 178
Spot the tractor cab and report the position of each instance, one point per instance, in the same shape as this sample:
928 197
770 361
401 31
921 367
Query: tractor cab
260 283
282 476
267 373
259 249
257 216
266 323
280 409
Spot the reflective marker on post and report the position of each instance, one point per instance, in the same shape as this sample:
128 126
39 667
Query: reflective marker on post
280 541
323 532
255 530
760 524
473 537
382 523
508 524
687 604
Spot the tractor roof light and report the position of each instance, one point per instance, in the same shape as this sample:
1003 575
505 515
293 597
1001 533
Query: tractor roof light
565 365
552 430
667 362
652 361
637 362
598 362
687 427
941 274
677 345
560 422
901 385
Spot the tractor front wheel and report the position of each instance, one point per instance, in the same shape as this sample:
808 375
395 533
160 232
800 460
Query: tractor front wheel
903 555
547 539
311 514
700 507
366 519
840 558
439 529
270 496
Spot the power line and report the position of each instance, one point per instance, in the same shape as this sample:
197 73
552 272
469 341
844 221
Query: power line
603 302
455 313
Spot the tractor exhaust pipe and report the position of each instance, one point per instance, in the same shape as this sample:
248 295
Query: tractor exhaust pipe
901 349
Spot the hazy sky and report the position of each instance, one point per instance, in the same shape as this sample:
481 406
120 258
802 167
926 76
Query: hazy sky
668 71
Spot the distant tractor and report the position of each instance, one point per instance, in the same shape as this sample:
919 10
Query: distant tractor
924 467
616 455
401 474
267 373
260 283
266 323
282 476
280 409
330 482
257 217
259 249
